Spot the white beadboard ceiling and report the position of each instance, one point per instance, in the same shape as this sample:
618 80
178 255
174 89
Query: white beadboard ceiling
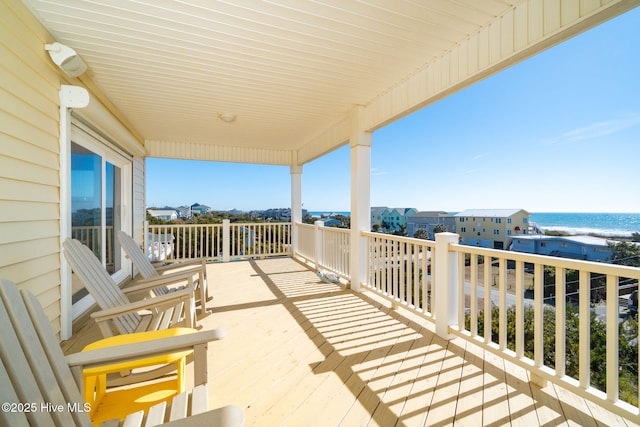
289 69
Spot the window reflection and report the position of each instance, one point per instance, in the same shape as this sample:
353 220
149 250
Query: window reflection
86 204
86 207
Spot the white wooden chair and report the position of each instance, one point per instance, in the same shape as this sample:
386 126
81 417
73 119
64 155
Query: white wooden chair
39 386
118 314
149 272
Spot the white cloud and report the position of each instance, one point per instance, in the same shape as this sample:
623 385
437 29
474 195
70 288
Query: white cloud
595 130
479 156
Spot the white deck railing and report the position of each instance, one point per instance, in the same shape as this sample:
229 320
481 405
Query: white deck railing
507 323
326 248
476 294
506 276
91 236
335 250
399 269
306 241
218 242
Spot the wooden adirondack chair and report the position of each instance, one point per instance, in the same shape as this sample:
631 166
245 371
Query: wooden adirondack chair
149 272
39 386
118 315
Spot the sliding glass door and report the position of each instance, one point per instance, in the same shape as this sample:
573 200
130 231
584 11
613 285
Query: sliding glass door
98 206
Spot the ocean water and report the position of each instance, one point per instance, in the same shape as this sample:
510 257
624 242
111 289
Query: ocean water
603 224
329 213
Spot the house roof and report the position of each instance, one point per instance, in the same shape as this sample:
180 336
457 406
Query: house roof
378 209
292 78
583 240
403 211
496 213
158 212
431 214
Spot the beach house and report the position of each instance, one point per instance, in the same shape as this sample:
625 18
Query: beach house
491 228
391 219
163 214
199 209
378 213
428 220
588 248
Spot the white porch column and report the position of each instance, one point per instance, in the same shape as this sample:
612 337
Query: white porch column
360 143
446 284
296 204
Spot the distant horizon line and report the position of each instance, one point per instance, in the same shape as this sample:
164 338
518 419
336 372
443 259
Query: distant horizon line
430 210
531 212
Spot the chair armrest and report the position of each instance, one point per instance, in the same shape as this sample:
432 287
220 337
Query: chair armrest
148 303
143 349
155 282
127 353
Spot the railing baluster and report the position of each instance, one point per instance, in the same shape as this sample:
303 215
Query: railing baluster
417 253
502 298
612 338
389 269
424 284
473 300
401 272
487 300
184 240
538 315
585 330
461 293
519 265
561 316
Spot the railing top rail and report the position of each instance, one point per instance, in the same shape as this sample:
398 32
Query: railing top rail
336 230
233 224
303 225
184 225
411 240
259 223
333 229
590 266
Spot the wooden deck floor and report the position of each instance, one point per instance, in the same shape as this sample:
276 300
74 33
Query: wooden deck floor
300 352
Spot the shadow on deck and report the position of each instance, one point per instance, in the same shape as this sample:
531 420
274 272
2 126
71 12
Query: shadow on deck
302 352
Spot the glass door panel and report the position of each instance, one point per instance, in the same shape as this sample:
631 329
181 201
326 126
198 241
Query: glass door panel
86 205
100 188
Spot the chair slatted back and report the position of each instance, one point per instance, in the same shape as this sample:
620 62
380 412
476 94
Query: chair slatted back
8 395
147 270
136 255
99 283
34 364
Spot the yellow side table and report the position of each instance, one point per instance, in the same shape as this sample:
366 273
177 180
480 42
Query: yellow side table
128 399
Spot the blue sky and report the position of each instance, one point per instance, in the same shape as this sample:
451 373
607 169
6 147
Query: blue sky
559 132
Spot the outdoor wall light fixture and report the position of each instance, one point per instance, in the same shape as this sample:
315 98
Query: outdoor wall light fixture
66 58
227 118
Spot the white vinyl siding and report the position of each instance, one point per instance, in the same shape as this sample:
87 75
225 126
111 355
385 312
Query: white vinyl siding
30 223
139 211
29 159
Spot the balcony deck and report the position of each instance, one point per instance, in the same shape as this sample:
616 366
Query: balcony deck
302 352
